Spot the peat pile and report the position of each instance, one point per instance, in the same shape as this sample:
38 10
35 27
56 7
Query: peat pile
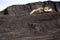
16 23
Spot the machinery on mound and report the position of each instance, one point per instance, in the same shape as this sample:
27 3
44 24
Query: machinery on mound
41 10
19 23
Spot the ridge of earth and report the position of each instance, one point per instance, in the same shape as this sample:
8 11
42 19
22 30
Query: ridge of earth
17 24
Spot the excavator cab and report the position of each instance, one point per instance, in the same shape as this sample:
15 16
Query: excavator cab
47 9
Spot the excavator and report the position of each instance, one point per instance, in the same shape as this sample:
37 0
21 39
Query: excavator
41 9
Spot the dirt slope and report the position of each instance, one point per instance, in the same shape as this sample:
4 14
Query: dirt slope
16 23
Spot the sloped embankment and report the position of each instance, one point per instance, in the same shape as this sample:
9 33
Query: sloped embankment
17 24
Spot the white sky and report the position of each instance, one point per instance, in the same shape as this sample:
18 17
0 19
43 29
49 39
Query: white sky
6 3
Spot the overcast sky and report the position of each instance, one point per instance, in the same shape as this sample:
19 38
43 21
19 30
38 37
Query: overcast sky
6 3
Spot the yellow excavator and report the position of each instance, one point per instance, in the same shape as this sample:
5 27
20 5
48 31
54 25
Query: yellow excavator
45 9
